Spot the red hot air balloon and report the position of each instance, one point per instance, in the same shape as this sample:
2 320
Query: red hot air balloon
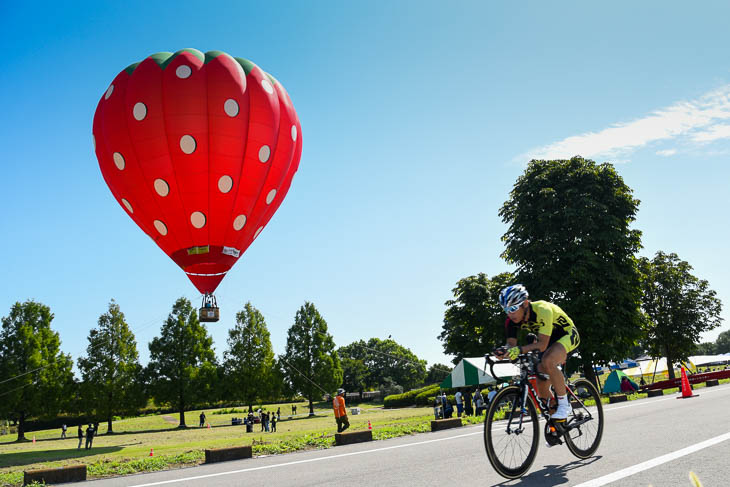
199 150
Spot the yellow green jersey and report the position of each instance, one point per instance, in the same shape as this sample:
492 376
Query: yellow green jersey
547 319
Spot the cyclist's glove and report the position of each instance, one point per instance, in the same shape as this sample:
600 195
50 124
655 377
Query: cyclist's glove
514 352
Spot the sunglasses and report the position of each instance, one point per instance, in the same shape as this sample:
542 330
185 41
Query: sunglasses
512 309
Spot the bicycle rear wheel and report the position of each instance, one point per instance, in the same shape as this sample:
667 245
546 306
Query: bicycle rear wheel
583 439
511 433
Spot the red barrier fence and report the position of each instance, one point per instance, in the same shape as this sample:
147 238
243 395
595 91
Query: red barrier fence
693 379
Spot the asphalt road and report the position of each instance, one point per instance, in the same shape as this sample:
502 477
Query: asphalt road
655 442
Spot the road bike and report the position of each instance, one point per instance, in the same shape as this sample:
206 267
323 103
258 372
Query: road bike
512 427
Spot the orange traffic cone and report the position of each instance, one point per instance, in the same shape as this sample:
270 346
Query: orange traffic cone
152 453
686 389
208 425
370 426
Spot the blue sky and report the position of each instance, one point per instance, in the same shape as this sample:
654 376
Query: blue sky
417 117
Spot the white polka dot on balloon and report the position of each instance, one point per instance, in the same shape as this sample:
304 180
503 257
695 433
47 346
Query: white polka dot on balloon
187 144
139 111
197 218
267 86
225 183
294 132
109 92
162 188
270 196
239 222
231 107
257 232
160 227
264 153
119 161
127 205
183 71
93 140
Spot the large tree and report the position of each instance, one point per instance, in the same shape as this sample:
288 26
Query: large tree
437 373
473 321
569 236
111 373
249 361
36 379
389 359
312 365
354 370
722 344
680 307
182 368
377 360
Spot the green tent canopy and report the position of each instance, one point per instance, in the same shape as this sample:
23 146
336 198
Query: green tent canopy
613 382
470 372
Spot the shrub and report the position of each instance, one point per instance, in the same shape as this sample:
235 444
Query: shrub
409 398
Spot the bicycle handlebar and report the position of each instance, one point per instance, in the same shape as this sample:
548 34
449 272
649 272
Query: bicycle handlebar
520 358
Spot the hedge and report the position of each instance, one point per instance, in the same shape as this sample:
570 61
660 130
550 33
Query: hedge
410 398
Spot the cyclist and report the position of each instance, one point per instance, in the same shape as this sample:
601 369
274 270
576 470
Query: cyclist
556 337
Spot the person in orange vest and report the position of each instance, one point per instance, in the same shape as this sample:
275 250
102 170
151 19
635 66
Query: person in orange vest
338 404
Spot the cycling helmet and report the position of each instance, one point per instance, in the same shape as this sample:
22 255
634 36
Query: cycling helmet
340 391
512 297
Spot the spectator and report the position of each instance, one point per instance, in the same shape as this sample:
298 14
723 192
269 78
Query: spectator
81 437
273 423
446 406
437 407
468 403
261 417
478 401
459 403
627 386
278 414
338 404
202 419
642 382
492 393
89 436
63 431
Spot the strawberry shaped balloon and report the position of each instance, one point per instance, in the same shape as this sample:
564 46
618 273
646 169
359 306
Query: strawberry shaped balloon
199 150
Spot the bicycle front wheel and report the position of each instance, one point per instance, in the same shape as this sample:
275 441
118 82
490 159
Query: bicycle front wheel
511 433
583 439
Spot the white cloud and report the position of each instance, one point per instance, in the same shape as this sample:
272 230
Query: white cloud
696 120
719 131
666 152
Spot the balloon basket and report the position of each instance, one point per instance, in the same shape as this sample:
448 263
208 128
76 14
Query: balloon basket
209 312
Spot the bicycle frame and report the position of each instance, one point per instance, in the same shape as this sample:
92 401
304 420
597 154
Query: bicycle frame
528 389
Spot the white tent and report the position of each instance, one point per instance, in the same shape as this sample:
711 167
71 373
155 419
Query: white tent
709 359
470 372
656 368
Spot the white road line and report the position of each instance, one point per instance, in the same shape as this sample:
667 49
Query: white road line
197 477
613 477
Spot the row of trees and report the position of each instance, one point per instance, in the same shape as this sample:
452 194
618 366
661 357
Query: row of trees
720 345
37 381
570 239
